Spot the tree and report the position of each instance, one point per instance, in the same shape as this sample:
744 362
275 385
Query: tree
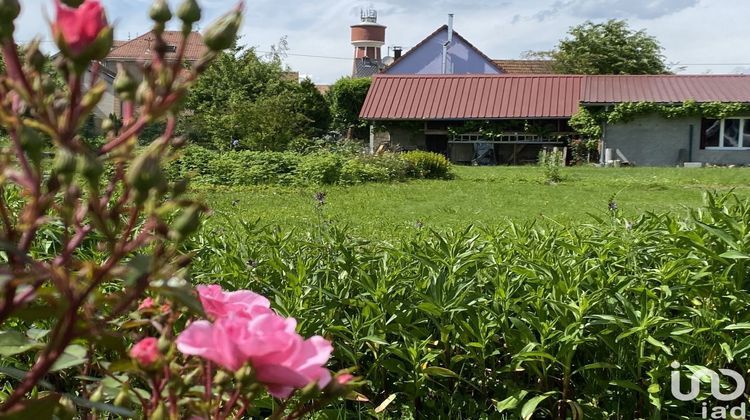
608 48
346 98
312 106
252 101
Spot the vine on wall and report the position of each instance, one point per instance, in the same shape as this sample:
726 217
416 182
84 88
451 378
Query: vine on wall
588 122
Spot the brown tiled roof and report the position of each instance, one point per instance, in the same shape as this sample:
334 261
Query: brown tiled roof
139 49
526 66
462 97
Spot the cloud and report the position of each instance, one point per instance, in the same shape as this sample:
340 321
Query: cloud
500 28
605 9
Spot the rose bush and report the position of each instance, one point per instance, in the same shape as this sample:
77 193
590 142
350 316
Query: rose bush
97 316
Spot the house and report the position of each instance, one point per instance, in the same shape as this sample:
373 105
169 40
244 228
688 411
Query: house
428 57
508 119
447 96
133 55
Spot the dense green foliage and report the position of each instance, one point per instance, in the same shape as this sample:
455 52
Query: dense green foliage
428 165
483 196
608 48
346 98
322 167
252 100
589 122
576 322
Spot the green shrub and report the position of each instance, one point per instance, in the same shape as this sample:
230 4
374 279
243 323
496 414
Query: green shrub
540 322
342 166
428 165
358 171
322 168
367 168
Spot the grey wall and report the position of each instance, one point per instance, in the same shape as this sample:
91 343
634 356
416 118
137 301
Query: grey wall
656 141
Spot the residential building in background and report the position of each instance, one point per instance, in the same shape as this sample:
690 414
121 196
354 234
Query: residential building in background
133 54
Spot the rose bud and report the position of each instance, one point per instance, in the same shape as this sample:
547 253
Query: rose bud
222 34
65 164
9 11
187 223
32 143
146 352
91 168
144 174
189 12
82 33
160 12
124 84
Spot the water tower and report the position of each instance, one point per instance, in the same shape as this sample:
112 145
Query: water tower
368 38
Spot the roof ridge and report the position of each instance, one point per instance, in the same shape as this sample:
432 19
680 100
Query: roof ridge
435 33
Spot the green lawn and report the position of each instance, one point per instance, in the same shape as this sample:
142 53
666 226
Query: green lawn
479 195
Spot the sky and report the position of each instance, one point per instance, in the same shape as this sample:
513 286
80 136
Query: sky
698 36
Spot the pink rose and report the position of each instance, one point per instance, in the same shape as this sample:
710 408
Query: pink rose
79 27
294 367
147 303
283 360
221 342
218 303
146 352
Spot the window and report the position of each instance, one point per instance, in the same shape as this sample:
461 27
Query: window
731 133
171 48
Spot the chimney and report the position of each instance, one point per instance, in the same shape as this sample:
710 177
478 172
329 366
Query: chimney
447 43
397 52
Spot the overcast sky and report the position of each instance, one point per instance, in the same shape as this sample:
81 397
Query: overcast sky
704 32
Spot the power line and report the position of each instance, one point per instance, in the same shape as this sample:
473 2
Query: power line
330 57
306 55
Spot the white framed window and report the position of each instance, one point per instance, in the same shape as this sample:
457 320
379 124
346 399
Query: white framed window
727 134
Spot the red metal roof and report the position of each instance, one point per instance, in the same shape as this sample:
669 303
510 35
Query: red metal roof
463 97
450 97
666 89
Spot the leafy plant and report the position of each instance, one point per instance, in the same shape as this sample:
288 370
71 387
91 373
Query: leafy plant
428 165
551 162
518 321
87 234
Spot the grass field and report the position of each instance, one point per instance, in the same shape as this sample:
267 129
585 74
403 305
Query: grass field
479 195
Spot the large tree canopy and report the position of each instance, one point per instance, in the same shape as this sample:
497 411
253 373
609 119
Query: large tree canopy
245 101
346 98
608 48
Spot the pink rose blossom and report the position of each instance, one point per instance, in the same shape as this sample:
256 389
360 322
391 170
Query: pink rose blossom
79 27
283 359
147 303
146 352
294 367
218 303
